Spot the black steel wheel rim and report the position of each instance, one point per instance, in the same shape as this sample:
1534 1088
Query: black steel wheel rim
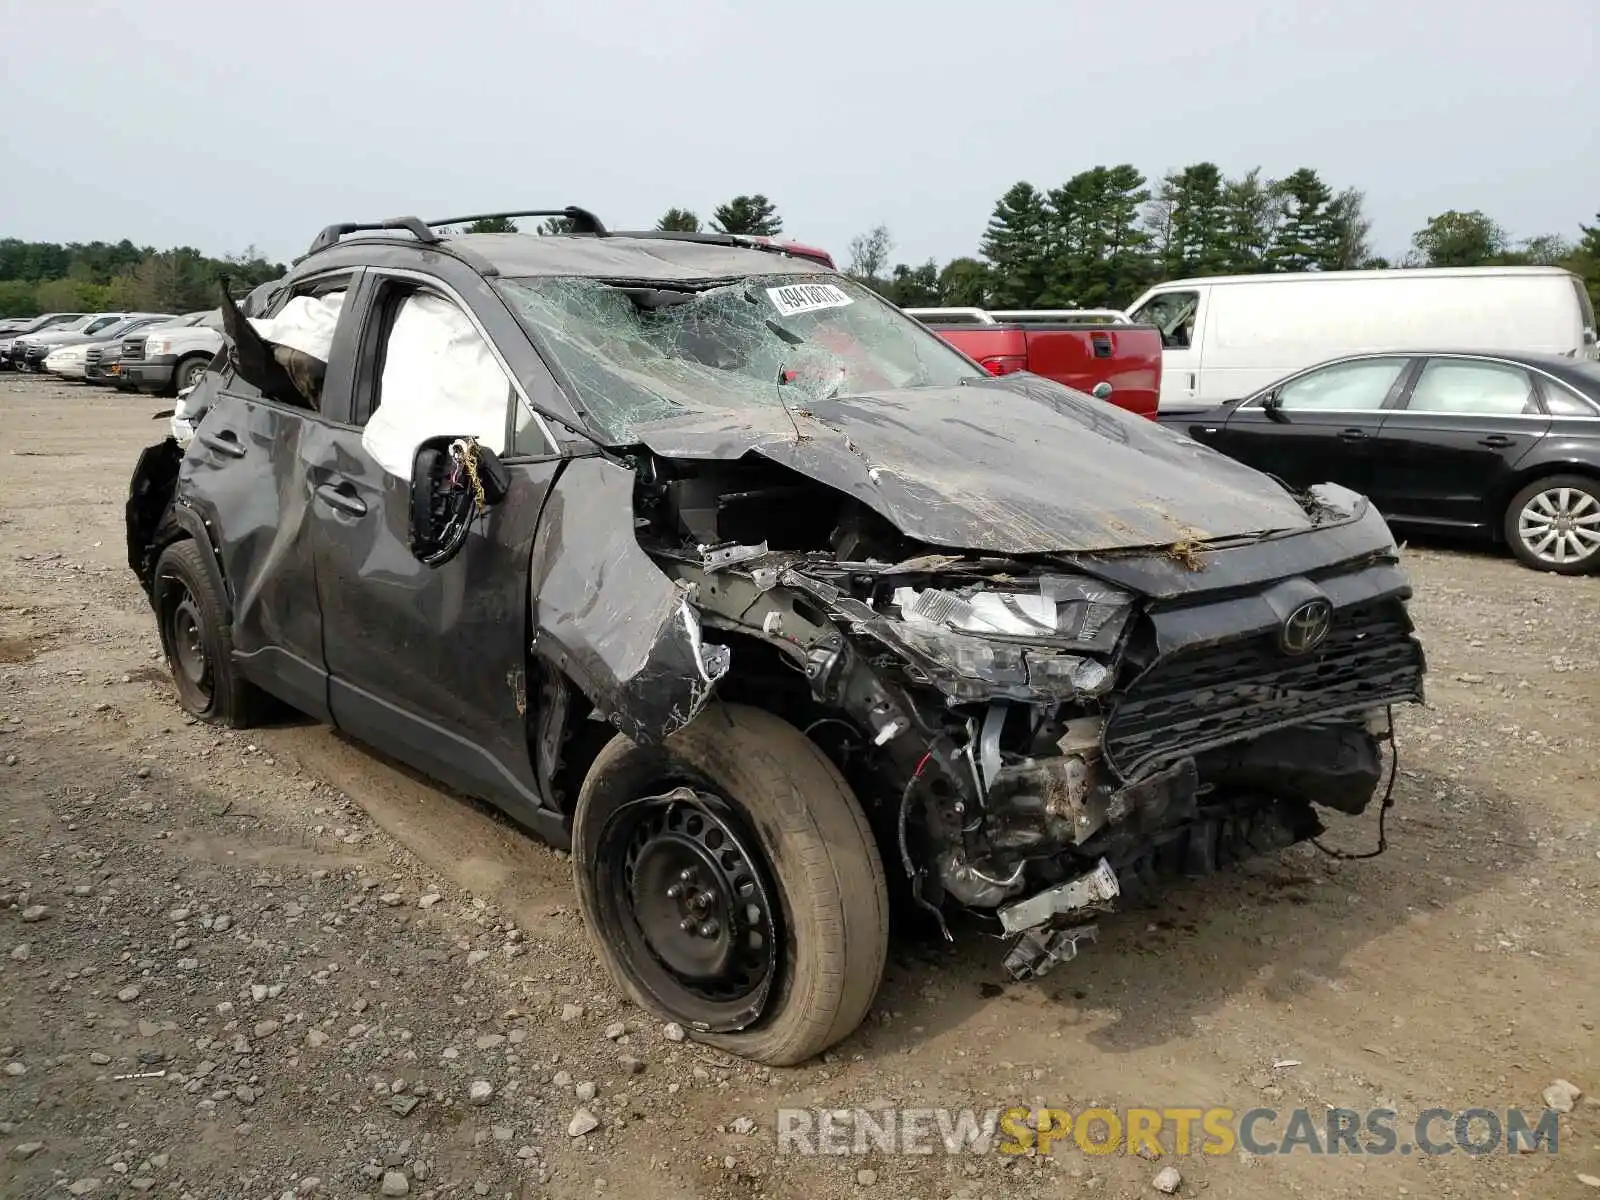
186 641
683 889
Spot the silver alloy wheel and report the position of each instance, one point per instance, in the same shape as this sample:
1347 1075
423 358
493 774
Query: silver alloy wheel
1560 525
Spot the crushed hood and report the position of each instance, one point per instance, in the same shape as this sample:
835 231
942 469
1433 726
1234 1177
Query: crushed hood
1014 466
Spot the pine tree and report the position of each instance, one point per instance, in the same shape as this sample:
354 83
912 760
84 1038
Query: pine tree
1251 210
1017 245
751 215
679 220
1307 236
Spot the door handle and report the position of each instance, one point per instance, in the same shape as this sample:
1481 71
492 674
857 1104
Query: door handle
224 441
1497 441
1353 435
336 496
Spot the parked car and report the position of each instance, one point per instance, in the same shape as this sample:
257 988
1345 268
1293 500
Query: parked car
703 560
67 351
28 353
1098 351
102 362
169 359
1226 338
1501 447
14 326
40 324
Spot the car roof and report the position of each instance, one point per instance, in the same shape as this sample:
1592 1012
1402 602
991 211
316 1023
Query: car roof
613 256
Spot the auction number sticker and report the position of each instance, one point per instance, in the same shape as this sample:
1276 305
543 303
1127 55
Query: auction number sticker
806 297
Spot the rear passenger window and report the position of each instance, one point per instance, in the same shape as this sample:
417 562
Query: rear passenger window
1472 388
1562 403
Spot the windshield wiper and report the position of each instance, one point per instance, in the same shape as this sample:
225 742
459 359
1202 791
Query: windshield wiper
787 335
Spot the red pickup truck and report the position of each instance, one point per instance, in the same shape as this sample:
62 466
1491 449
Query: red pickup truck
1098 351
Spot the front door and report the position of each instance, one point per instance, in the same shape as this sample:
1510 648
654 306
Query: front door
1322 425
1179 315
1454 442
427 663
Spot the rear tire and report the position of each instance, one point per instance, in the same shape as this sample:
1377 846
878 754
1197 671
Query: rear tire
198 640
794 818
1553 524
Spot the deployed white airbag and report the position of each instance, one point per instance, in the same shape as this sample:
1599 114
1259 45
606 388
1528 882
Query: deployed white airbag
439 377
306 324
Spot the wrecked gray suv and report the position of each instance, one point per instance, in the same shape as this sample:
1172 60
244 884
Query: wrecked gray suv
699 558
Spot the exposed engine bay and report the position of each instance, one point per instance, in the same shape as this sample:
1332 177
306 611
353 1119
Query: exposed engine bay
1035 735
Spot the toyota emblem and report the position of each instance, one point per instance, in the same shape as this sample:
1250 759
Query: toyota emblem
1306 627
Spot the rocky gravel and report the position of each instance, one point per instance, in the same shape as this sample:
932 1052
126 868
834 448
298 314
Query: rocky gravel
272 964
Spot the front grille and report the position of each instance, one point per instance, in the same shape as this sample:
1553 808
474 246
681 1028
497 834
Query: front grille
92 355
133 348
1194 700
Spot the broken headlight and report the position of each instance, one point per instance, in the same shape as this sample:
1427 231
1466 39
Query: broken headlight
1063 610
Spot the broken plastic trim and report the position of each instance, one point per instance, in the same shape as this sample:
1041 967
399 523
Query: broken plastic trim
962 666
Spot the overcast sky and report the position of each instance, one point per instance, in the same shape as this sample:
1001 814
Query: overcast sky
223 124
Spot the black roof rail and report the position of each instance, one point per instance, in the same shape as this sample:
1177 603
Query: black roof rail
583 221
331 235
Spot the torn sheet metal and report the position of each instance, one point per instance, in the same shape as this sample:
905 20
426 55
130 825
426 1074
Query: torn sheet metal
1097 887
439 379
606 614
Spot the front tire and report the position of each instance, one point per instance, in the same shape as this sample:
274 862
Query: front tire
729 881
188 371
1553 524
198 640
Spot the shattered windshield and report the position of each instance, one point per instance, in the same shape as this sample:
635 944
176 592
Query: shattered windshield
637 352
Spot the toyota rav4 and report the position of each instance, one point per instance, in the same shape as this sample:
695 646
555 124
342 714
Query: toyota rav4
700 559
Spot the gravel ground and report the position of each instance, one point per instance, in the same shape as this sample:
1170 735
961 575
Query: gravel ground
326 976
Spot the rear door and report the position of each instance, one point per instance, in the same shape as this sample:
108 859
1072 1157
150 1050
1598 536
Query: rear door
1327 420
427 663
1180 316
1455 440
246 474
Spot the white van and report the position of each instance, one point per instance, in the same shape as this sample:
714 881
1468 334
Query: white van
1228 336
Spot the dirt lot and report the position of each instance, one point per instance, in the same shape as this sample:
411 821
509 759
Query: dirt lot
250 914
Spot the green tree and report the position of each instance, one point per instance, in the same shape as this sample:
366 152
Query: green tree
1252 208
1459 239
1349 246
554 226
493 225
1584 260
750 215
965 283
1099 254
18 298
1017 245
679 220
912 287
1185 222
869 255
1544 250
1307 238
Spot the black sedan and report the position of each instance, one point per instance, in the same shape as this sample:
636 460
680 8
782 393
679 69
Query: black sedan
1504 447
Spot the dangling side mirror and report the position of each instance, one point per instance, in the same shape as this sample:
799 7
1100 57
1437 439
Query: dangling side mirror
1273 407
454 481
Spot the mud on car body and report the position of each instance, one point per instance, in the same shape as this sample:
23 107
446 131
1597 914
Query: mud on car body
707 563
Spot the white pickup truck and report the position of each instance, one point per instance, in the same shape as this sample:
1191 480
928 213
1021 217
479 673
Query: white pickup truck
167 360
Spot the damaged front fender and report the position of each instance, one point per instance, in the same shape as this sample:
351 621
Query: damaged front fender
606 615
